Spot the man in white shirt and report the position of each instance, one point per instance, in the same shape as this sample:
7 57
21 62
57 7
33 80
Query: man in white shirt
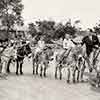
67 42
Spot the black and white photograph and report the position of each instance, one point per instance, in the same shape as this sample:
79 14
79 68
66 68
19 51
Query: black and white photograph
49 49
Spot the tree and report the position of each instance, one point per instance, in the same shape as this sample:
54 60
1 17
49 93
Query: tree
61 29
32 29
46 28
69 28
97 29
10 13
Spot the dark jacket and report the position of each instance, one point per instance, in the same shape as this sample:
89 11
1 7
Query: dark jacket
90 44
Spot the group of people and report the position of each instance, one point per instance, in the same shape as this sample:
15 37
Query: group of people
90 41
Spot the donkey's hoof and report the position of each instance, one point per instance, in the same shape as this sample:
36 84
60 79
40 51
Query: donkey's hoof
33 72
36 73
77 81
45 75
40 75
68 81
74 81
17 73
8 71
82 81
55 76
21 73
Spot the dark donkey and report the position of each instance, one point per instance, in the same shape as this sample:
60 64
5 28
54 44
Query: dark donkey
21 53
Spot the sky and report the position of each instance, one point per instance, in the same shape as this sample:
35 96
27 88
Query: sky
88 11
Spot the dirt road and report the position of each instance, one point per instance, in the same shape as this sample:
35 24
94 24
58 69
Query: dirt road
29 87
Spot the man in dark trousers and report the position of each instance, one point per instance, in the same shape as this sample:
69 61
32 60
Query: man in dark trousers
92 43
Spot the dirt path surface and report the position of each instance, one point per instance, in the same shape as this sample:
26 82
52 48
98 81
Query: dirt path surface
29 87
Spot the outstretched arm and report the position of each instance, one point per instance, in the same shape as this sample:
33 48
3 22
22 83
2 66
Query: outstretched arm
76 43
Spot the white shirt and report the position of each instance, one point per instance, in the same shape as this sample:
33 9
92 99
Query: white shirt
68 44
41 44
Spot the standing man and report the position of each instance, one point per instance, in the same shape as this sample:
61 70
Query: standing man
91 42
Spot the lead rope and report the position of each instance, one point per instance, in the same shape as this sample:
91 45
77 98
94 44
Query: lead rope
64 56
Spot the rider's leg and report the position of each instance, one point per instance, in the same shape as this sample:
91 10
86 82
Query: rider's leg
88 60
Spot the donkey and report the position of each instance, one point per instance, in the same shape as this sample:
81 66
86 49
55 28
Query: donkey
42 60
21 53
72 59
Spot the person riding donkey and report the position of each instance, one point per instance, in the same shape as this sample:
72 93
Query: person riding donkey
40 46
91 43
67 46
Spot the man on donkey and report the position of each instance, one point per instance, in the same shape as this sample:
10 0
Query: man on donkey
67 46
40 46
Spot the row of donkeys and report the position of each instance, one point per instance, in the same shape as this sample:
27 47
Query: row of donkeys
72 60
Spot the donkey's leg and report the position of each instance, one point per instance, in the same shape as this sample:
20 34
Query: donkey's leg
68 75
45 68
1 65
17 67
8 65
33 67
89 64
78 67
60 72
45 71
37 66
74 75
56 72
5 67
21 70
82 71
78 75
41 69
